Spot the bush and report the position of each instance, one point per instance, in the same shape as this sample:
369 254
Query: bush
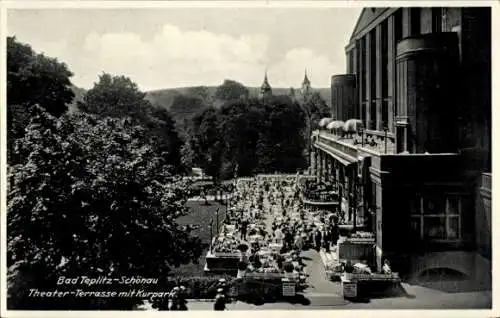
288 267
198 287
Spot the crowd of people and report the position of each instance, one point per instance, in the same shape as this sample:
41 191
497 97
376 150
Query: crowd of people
268 227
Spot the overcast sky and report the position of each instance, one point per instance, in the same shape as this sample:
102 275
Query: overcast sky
175 47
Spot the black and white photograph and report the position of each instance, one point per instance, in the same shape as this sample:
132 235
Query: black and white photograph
247 157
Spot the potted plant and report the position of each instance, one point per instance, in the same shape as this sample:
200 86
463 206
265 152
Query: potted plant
348 270
288 267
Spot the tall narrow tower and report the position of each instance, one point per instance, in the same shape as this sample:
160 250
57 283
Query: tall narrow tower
265 89
305 90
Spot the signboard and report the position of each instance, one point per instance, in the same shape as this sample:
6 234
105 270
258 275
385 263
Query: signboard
349 289
288 288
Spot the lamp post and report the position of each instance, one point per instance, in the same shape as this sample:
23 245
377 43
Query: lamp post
217 222
362 131
211 234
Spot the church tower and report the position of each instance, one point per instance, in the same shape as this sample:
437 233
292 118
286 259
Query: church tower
265 89
305 90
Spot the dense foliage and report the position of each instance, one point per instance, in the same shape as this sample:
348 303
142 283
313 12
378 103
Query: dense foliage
231 90
92 193
33 79
36 79
120 97
92 198
245 137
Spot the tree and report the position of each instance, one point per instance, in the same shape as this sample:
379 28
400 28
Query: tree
183 108
240 127
231 90
165 137
281 142
208 142
116 96
33 79
37 79
317 108
120 97
201 92
91 198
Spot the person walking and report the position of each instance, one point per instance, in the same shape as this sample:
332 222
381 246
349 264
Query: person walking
244 226
317 239
220 301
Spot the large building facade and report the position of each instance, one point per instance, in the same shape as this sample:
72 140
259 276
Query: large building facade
418 174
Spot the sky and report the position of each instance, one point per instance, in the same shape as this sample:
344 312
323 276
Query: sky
176 47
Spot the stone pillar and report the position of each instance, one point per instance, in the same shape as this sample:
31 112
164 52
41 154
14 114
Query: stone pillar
379 69
379 233
355 70
327 168
360 78
368 79
343 90
406 15
318 165
312 165
391 72
352 196
321 167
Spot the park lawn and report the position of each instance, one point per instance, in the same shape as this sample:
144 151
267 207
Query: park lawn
201 215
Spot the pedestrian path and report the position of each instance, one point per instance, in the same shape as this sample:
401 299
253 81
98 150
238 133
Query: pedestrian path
316 276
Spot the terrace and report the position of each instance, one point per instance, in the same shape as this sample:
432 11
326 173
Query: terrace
374 142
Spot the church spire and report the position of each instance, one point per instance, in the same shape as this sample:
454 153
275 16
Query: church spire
306 86
306 79
265 89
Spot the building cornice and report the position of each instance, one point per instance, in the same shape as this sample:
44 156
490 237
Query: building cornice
382 16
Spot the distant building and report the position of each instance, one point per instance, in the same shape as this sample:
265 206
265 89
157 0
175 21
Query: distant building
419 174
306 90
265 90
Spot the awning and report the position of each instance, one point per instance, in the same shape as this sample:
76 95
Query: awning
353 125
325 121
336 124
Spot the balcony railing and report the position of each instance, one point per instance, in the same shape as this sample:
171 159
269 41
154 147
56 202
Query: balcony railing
349 143
342 144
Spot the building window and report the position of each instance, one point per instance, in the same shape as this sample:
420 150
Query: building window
436 218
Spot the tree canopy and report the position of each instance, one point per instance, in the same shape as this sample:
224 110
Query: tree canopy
33 78
120 97
231 90
115 96
250 136
37 79
92 193
92 198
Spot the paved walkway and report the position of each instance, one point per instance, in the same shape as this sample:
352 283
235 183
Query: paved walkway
423 299
317 281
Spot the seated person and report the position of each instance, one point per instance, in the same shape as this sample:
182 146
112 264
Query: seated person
361 268
386 269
